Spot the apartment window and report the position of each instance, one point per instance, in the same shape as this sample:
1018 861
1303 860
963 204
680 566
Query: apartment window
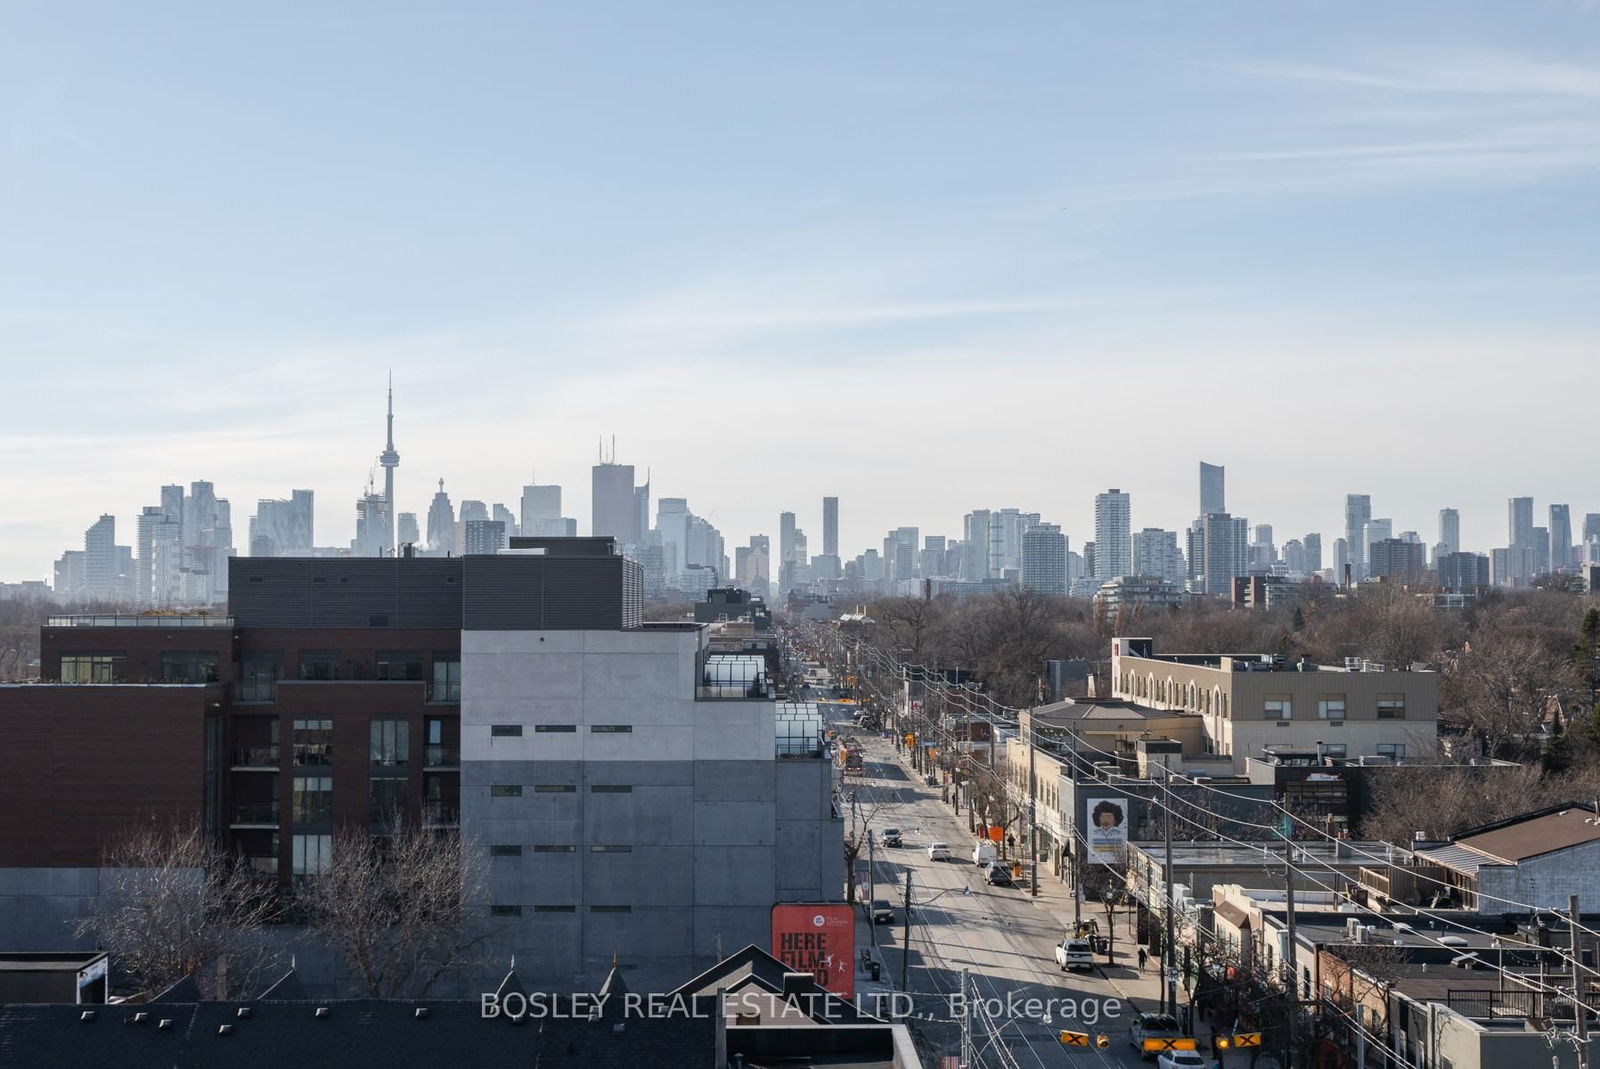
1391 707
505 790
611 788
505 911
547 728
610 848
1335 749
259 672
505 850
391 742
1278 707
92 667
610 729
313 799
386 799
555 909
555 848
505 731
610 909
1331 707
446 677
554 788
313 742
312 854
435 752
189 666
319 664
1396 750
400 665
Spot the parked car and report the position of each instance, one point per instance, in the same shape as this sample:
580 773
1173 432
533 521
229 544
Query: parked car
939 852
1152 1026
1180 1059
891 837
984 852
882 911
998 875
1075 954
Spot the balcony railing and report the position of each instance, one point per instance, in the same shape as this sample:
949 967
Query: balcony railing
267 865
256 756
444 693
441 757
125 620
256 690
439 815
255 813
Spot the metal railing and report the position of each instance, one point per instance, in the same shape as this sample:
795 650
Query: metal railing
255 813
124 620
256 690
256 756
267 865
437 814
441 757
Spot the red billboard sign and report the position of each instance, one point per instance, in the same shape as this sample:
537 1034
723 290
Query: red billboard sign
820 940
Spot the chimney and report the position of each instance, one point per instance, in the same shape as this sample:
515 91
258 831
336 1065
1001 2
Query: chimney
795 983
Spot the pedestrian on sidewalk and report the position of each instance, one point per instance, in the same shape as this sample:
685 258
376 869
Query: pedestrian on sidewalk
1143 957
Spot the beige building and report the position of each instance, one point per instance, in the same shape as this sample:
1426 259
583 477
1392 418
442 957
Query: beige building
1249 702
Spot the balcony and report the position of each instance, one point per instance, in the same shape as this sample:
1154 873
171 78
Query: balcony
444 693
125 620
255 815
441 757
256 758
256 690
440 815
266 865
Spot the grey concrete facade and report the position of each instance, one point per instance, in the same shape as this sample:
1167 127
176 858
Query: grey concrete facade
619 815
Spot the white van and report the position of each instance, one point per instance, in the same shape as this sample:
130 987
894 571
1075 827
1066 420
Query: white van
984 852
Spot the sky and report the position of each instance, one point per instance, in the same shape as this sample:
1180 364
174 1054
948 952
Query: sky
925 257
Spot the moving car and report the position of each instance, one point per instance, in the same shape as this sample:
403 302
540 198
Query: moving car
939 852
984 852
1180 1059
1147 1026
891 837
1073 953
882 911
998 875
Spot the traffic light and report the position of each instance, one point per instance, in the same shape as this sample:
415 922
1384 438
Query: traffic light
1102 1041
1223 1042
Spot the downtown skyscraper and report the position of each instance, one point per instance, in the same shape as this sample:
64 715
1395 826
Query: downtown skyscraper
1113 535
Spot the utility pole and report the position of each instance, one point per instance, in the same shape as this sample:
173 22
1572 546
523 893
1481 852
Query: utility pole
1580 1009
1292 964
872 886
1033 816
1169 955
905 950
967 1059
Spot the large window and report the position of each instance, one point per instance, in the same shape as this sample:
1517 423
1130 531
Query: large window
313 799
1396 750
446 677
313 854
400 664
391 743
1278 707
386 799
259 672
92 667
313 742
1391 707
189 666
1331 707
319 664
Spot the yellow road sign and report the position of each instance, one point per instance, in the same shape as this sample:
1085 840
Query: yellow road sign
1247 1039
1156 1044
1074 1039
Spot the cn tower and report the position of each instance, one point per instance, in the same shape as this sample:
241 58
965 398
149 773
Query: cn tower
390 461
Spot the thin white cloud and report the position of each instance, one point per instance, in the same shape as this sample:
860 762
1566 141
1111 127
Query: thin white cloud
1478 72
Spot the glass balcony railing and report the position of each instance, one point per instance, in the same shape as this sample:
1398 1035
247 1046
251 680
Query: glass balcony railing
255 813
440 815
256 756
441 757
268 865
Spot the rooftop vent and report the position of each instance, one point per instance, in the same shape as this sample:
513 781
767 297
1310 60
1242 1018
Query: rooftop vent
321 1011
165 1024
225 1030
140 1018
243 1011
86 1016
420 1012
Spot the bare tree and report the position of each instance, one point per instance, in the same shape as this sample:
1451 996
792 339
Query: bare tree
857 831
171 904
401 911
1504 685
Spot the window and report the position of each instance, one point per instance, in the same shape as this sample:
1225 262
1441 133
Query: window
1335 749
555 909
1331 707
319 664
1278 707
505 911
92 667
554 788
259 672
610 729
505 790
436 754
386 799
313 799
505 850
446 677
610 909
555 848
544 728
505 731
605 848
312 854
313 742
400 665
1396 750
189 667
611 788
1391 707
391 743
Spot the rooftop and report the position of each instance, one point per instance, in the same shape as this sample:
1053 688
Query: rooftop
151 620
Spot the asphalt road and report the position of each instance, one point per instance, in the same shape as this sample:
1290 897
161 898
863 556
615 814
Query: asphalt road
1002 939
